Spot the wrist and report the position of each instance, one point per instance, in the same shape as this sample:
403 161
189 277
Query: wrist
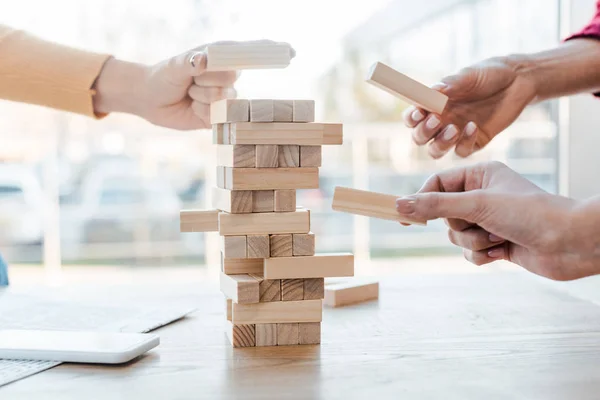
119 87
526 70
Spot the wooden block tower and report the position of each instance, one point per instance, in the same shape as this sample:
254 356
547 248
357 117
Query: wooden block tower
272 279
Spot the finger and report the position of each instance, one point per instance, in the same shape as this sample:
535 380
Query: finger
412 116
202 111
457 224
475 239
216 78
444 141
427 130
486 256
209 95
468 206
466 143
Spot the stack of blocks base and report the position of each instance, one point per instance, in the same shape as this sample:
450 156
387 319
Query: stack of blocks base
270 275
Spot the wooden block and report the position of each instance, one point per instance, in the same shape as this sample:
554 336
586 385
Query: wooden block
370 204
317 266
285 200
228 308
232 201
221 177
351 292
241 335
281 246
258 246
267 156
283 110
310 156
266 334
264 223
229 110
238 156
409 90
232 266
287 334
198 220
314 288
289 156
261 110
263 201
269 289
233 247
240 288
306 134
292 289
231 57
271 178
304 111
277 312
218 136
303 244
309 333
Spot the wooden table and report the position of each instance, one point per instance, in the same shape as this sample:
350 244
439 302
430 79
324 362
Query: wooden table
493 335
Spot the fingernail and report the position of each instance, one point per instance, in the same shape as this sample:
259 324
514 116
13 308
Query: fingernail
493 238
417 116
496 253
450 132
433 122
406 205
470 128
439 86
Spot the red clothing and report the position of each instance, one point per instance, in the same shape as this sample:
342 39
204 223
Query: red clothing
592 29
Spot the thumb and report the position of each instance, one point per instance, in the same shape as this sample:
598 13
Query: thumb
458 85
468 206
183 68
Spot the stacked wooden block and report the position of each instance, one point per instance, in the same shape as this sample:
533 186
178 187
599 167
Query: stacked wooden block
270 274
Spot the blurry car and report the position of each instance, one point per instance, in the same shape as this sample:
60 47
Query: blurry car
21 206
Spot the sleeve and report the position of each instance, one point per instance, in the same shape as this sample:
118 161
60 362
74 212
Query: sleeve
39 72
591 30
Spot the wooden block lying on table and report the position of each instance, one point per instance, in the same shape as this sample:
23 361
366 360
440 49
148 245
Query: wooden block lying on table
234 247
269 289
267 156
287 334
231 57
289 156
277 312
351 292
258 246
229 110
238 156
241 335
310 156
317 266
370 204
281 245
266 334
240 288
283 110
263 201
232 201
264 223
199 220
304 111
303 244
307 134
233 266
408 89
292 289
271 178
314 288
285 200
309 333
261 110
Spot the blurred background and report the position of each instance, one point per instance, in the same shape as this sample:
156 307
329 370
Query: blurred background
77 191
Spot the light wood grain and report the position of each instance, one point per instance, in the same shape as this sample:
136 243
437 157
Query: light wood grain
309 333
264 223
283 110
198 220
240 335
266 334
285 200
263 201
234 246
271 178
221 177
351 292
283 133
292 289
289 156
269 289
304 111
281 246
241 265
232 201
231 57
317 266
267 156
258 246
303 244
314 288
240 288
218 136
229 110
277 312
261 110
287 334
310 156
238 156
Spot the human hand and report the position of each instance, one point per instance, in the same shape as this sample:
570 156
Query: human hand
493 213
175 93
483 100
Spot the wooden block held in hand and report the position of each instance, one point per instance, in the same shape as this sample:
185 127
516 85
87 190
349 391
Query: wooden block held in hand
351 292
408 89
370 204
277 312
267 156
271 178
287 334
281 245
317 266
233 246
283 110
310 156
264 223
266 334
289 156
232 57
238 156
258 246
198 220
269 289
292 289
232 201
303 244
304 111
241 335
309 333
314 288
240 288
261 110
285 200
229 110
263 201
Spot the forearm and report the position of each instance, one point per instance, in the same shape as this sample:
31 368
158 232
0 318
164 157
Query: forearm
118 87
571 68
584 235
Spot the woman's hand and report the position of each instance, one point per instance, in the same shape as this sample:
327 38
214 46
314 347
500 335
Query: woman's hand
494 213
175 93
483 100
